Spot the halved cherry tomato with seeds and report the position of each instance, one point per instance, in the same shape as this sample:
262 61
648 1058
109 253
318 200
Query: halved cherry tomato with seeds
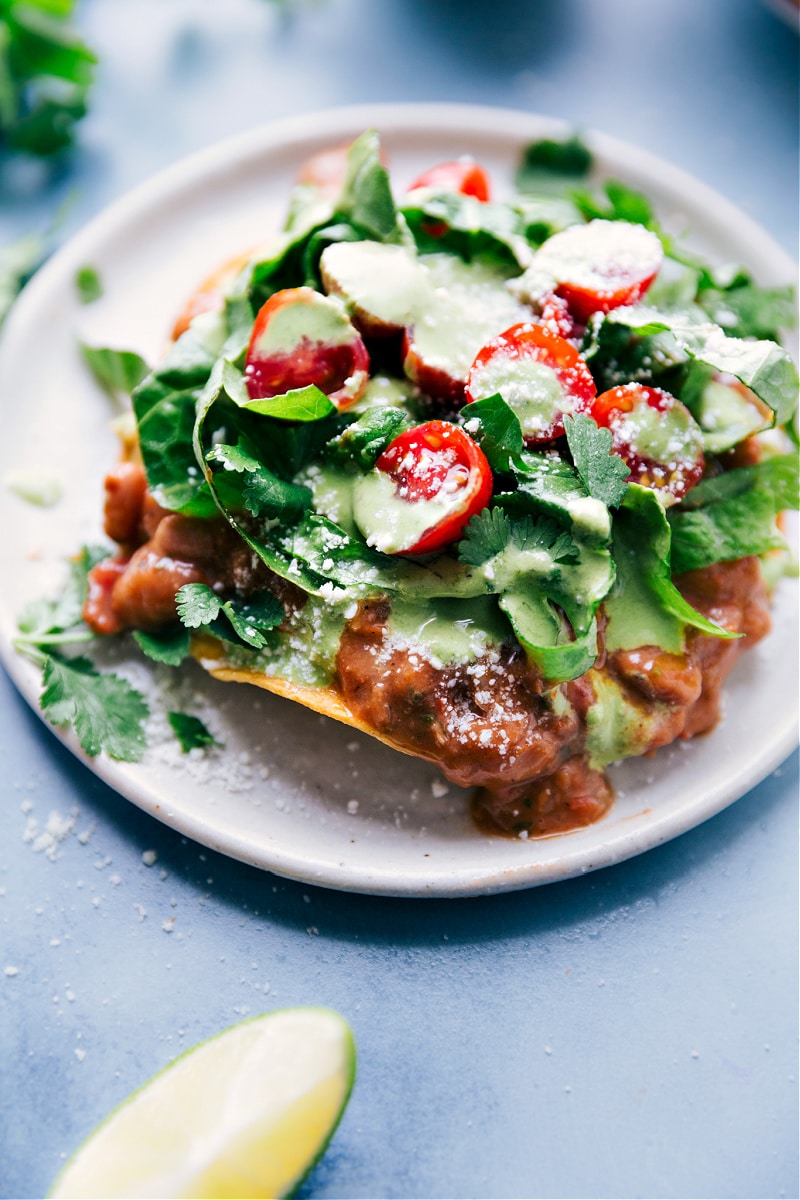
301 337
462 175
601 265
655 434
427 484
540 375
554 314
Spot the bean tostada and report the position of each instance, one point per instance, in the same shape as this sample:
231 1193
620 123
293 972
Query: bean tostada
495 480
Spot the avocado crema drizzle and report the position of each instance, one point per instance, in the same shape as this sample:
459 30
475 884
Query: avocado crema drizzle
430 281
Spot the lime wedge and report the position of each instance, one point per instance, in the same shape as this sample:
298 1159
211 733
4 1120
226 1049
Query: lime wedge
246 1113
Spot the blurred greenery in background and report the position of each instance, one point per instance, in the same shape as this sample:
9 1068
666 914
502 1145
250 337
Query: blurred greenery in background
45 75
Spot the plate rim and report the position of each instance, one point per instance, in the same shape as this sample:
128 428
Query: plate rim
433 119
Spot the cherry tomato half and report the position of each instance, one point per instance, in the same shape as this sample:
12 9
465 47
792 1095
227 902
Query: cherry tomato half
302 337
601 265
427 484
540 375
655 434
463 175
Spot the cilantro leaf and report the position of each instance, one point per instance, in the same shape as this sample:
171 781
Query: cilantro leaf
252 618
169 646
191 732
486 535
601 470
197 605
60 621
542 533
105 711
261 492
88 285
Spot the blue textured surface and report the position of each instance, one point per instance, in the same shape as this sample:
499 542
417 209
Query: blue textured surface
630 1033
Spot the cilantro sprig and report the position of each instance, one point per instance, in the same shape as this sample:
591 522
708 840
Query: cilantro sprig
200 607
602 472
105 710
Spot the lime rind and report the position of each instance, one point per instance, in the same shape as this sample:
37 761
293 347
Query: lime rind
78 1177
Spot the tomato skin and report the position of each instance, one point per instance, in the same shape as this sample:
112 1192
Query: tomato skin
626 411
339 368
535 343
462 175
422 461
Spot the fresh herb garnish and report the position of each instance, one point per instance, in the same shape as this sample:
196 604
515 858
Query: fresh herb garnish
89 286
169 646
199 606
602 472
191 732
105 711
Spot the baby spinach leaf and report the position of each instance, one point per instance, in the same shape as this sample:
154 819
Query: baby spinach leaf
747 310
547 638
622 204
733 514
361 444
366 195
644 606
763 366
117 371
550 165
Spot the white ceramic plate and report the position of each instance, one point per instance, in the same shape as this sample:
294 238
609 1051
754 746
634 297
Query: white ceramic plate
292 792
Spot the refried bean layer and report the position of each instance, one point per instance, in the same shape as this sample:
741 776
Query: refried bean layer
488 724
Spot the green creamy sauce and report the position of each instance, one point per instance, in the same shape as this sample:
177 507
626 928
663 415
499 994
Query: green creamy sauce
382 280
726 417
332 490
666 437
321 319
305 651
469 306
383 391
530 388
451 307
448 631
388 522
615 728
